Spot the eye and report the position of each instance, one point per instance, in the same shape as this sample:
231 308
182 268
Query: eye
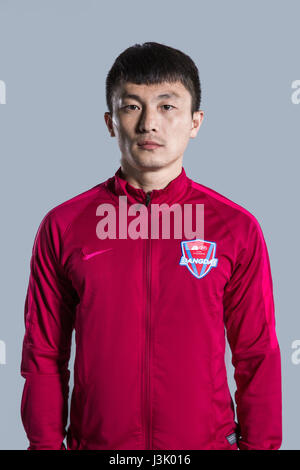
169 105
128 105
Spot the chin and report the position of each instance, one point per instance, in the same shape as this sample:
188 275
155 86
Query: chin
151 165
148 161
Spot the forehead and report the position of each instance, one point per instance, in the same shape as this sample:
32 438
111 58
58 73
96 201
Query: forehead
174 90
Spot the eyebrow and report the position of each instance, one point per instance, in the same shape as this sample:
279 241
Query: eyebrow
172 94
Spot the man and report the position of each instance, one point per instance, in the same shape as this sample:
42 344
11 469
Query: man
150 304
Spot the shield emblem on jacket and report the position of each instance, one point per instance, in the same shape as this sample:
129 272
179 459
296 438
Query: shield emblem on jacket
198 256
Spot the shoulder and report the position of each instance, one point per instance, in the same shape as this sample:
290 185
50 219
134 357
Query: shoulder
58 219
235 215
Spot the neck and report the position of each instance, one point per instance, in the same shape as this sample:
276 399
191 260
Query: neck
150 179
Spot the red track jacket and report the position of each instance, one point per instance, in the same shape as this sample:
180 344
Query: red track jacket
150 317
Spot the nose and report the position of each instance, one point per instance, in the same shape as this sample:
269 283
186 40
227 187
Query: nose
148 121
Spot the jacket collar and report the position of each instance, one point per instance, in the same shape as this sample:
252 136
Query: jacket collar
174 191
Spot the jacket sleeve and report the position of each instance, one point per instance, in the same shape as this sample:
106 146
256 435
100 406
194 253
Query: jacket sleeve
249 318
49 317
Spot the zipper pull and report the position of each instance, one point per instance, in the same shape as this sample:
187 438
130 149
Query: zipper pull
148 197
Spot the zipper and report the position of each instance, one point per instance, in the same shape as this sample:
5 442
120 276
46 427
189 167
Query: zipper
148 197
148 330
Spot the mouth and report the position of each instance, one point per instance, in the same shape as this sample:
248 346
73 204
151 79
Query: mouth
149 146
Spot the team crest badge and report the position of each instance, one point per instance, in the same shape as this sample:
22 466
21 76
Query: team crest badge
198 256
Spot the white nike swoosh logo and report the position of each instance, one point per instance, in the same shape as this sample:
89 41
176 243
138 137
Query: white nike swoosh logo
94 253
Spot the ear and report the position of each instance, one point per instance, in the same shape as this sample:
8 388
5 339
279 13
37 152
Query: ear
109 124
196 122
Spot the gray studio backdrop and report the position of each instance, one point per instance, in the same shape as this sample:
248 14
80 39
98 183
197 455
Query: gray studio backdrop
54 57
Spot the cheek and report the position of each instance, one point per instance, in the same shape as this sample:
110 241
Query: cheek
124 138
180 132
181 125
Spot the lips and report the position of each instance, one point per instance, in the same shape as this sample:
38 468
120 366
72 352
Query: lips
149 144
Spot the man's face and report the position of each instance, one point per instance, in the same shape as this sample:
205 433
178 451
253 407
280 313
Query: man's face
166 120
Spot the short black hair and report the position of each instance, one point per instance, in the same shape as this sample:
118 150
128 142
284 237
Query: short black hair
153 63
